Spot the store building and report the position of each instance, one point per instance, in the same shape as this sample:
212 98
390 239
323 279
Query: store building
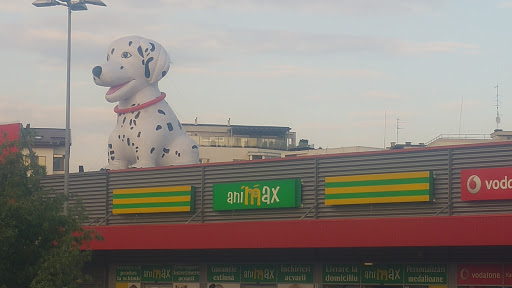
424 217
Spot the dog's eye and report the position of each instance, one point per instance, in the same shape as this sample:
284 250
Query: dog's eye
126 55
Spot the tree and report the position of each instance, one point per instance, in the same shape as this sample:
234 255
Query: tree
40 246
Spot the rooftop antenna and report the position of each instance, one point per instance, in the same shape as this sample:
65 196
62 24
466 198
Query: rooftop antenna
398 122
498 120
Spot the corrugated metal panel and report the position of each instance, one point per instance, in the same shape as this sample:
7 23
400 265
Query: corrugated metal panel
174 176
90 187
445 162
476 158
260 170
403 161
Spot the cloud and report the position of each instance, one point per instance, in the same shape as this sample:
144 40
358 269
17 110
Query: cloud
381 95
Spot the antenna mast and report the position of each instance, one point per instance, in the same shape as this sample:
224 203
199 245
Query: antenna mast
398 122
498 120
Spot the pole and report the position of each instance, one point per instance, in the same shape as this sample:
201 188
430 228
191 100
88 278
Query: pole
68 130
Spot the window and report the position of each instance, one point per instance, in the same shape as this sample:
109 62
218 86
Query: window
58 162
41 160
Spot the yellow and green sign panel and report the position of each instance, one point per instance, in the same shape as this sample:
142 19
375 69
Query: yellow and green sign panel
153 200
379 188
188 273
257 195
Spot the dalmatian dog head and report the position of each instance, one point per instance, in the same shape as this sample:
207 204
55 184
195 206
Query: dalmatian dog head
133 63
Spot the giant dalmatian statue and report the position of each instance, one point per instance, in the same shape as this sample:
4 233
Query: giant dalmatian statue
148 133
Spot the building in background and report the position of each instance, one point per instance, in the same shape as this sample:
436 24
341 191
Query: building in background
224 143
49 144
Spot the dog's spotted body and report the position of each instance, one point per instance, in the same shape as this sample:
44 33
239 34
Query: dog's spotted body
148 133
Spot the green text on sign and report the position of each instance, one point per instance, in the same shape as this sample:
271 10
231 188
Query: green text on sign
425 274
128 273
259 273
186 273
295 273
223 273
379 188
257 195
156 274
382 274
341 274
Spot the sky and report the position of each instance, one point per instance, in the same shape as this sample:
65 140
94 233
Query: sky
340 73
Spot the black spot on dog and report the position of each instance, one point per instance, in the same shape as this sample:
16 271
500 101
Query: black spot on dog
169 126
166 151
131 128
163 155
152 150
139 49
164 73
194 147
133 105
160 111
158 127
110 146
138 135
146 50
112 158
111 152
112 51
128 141
137 115
152 46
176 152
122 67
147 72
134 122
131 122
130 43
137 157
119 136
124 120
133 144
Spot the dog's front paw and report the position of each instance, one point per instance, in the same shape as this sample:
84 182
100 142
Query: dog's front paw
143 164
117 164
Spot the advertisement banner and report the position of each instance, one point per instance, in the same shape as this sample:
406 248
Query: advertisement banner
379 188
257 195
156 274
508 275
479 274
262 273
382 274
295 273
153 200
186 273
486 184
341 274
128 273
425 274
222 273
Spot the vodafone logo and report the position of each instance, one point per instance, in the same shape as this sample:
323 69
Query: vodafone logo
464 274
474 184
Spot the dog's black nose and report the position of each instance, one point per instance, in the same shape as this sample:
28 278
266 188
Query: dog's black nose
96 71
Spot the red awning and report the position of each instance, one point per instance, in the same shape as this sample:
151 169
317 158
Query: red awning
480 230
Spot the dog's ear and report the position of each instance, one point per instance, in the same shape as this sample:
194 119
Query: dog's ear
156 61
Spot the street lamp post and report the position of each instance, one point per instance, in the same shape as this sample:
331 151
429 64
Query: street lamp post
72 5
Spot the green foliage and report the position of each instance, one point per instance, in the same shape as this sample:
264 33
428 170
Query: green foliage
39 245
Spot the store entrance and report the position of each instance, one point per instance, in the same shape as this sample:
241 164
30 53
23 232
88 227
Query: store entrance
156 285
259 286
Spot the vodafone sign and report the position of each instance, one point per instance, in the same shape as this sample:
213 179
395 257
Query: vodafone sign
486 184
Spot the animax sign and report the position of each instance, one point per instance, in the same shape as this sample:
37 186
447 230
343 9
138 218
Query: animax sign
486 184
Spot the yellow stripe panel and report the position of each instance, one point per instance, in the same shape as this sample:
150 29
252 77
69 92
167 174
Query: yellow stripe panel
389 176
152 200
383 188
151 210
153 190
378 200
